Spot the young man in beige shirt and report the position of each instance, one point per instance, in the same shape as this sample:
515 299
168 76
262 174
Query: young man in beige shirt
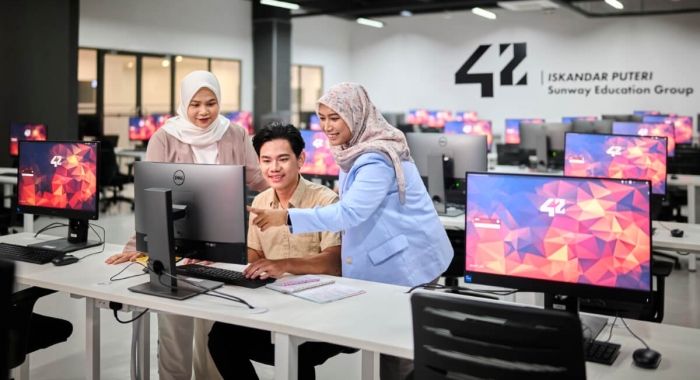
276 251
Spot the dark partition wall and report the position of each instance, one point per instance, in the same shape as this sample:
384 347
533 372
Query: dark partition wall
39 67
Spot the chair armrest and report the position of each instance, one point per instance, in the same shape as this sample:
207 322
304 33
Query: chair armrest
661 268
30 295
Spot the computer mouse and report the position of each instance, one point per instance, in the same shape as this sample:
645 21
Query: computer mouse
676 233
674 176
646 358
64 260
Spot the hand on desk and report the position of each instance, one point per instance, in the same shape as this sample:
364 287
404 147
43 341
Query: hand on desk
265 219
265 268
195 261
124 257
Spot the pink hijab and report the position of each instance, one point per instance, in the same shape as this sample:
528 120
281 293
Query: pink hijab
370 132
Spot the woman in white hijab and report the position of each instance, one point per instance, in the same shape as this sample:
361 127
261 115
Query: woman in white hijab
200 135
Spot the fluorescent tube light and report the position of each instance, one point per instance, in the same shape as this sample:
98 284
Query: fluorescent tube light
484 13
280 4
615 4
368 22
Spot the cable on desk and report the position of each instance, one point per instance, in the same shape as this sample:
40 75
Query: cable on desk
429 285
103 240
113 279
633 334
204 291
51 226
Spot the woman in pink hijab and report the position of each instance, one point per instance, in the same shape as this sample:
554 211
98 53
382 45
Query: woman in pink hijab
392 233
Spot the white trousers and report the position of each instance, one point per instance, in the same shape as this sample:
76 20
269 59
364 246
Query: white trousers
177 353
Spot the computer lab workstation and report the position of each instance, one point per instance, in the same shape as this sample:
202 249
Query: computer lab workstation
582 242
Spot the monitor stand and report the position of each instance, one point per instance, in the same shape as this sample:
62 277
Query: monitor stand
542 152
591 326
436 184
76 240
161 249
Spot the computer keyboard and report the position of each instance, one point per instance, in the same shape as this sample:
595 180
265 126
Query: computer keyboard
226 276
600 352
26 254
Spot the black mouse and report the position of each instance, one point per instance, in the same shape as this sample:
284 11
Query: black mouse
674 176
646 358
676 233
64 260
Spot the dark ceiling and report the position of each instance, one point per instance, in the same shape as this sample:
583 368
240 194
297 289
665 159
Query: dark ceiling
351 9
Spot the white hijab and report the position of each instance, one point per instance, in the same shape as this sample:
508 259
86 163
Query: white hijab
181 127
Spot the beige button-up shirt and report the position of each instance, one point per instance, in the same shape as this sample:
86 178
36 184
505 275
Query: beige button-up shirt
277 242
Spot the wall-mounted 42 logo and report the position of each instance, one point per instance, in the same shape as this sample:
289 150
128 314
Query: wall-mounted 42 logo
463 76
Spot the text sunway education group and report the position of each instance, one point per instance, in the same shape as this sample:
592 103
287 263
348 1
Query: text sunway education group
605 89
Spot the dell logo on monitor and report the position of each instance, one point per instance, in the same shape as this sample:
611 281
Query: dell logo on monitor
442 141
179 177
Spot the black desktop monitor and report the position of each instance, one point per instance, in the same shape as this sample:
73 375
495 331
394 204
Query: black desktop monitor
60 179
26 131
592 126
628 118
417 117
513 129
682 127
532 142
646 113
571 119
477 128
442 159
314 123
648 129
319 162
563 236
619 157
214 197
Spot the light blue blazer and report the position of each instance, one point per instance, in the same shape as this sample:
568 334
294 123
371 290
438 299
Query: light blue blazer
383 240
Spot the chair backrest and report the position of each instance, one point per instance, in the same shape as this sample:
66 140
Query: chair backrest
464 338
109 168
112 139
7 279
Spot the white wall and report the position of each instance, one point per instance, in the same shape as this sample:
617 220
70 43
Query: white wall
412 62
206 28
323 41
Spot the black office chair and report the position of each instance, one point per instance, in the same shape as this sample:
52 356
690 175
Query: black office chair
455 337
110 177
7 279
28 331
653 312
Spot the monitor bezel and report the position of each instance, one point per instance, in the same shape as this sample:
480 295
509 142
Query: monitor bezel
525 284
614 135
9 136
58 212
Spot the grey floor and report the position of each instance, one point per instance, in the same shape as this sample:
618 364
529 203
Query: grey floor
65 361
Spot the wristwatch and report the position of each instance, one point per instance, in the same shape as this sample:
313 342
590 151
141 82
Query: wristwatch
289 222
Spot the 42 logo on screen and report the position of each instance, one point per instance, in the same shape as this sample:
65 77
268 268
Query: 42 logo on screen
614 151
463 76
56 161
554 206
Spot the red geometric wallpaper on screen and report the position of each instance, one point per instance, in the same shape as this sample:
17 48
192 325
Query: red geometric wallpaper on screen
574 231
64 178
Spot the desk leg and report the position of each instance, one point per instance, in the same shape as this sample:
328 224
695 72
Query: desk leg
286 356
92 344
28 223
692 262
7 191
144 347
693 204
370 365
21 372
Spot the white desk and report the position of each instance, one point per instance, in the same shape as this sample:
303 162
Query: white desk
511 169
377 322
137 154
692 182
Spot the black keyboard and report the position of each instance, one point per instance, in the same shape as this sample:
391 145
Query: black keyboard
600 352
26 254
226 276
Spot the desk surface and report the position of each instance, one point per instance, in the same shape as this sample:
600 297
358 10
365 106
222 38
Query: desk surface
130 153
379 320
8 179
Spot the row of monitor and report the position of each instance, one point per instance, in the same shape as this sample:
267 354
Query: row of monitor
583 237
142 128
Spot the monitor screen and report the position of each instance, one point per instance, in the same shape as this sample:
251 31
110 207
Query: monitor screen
621 157
244 119
314 123
571 119
58 178
417 117
24 131
648 129
575 236
319 157
142 128
437 119
682 126
478 128
466 116
513 129
646 113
